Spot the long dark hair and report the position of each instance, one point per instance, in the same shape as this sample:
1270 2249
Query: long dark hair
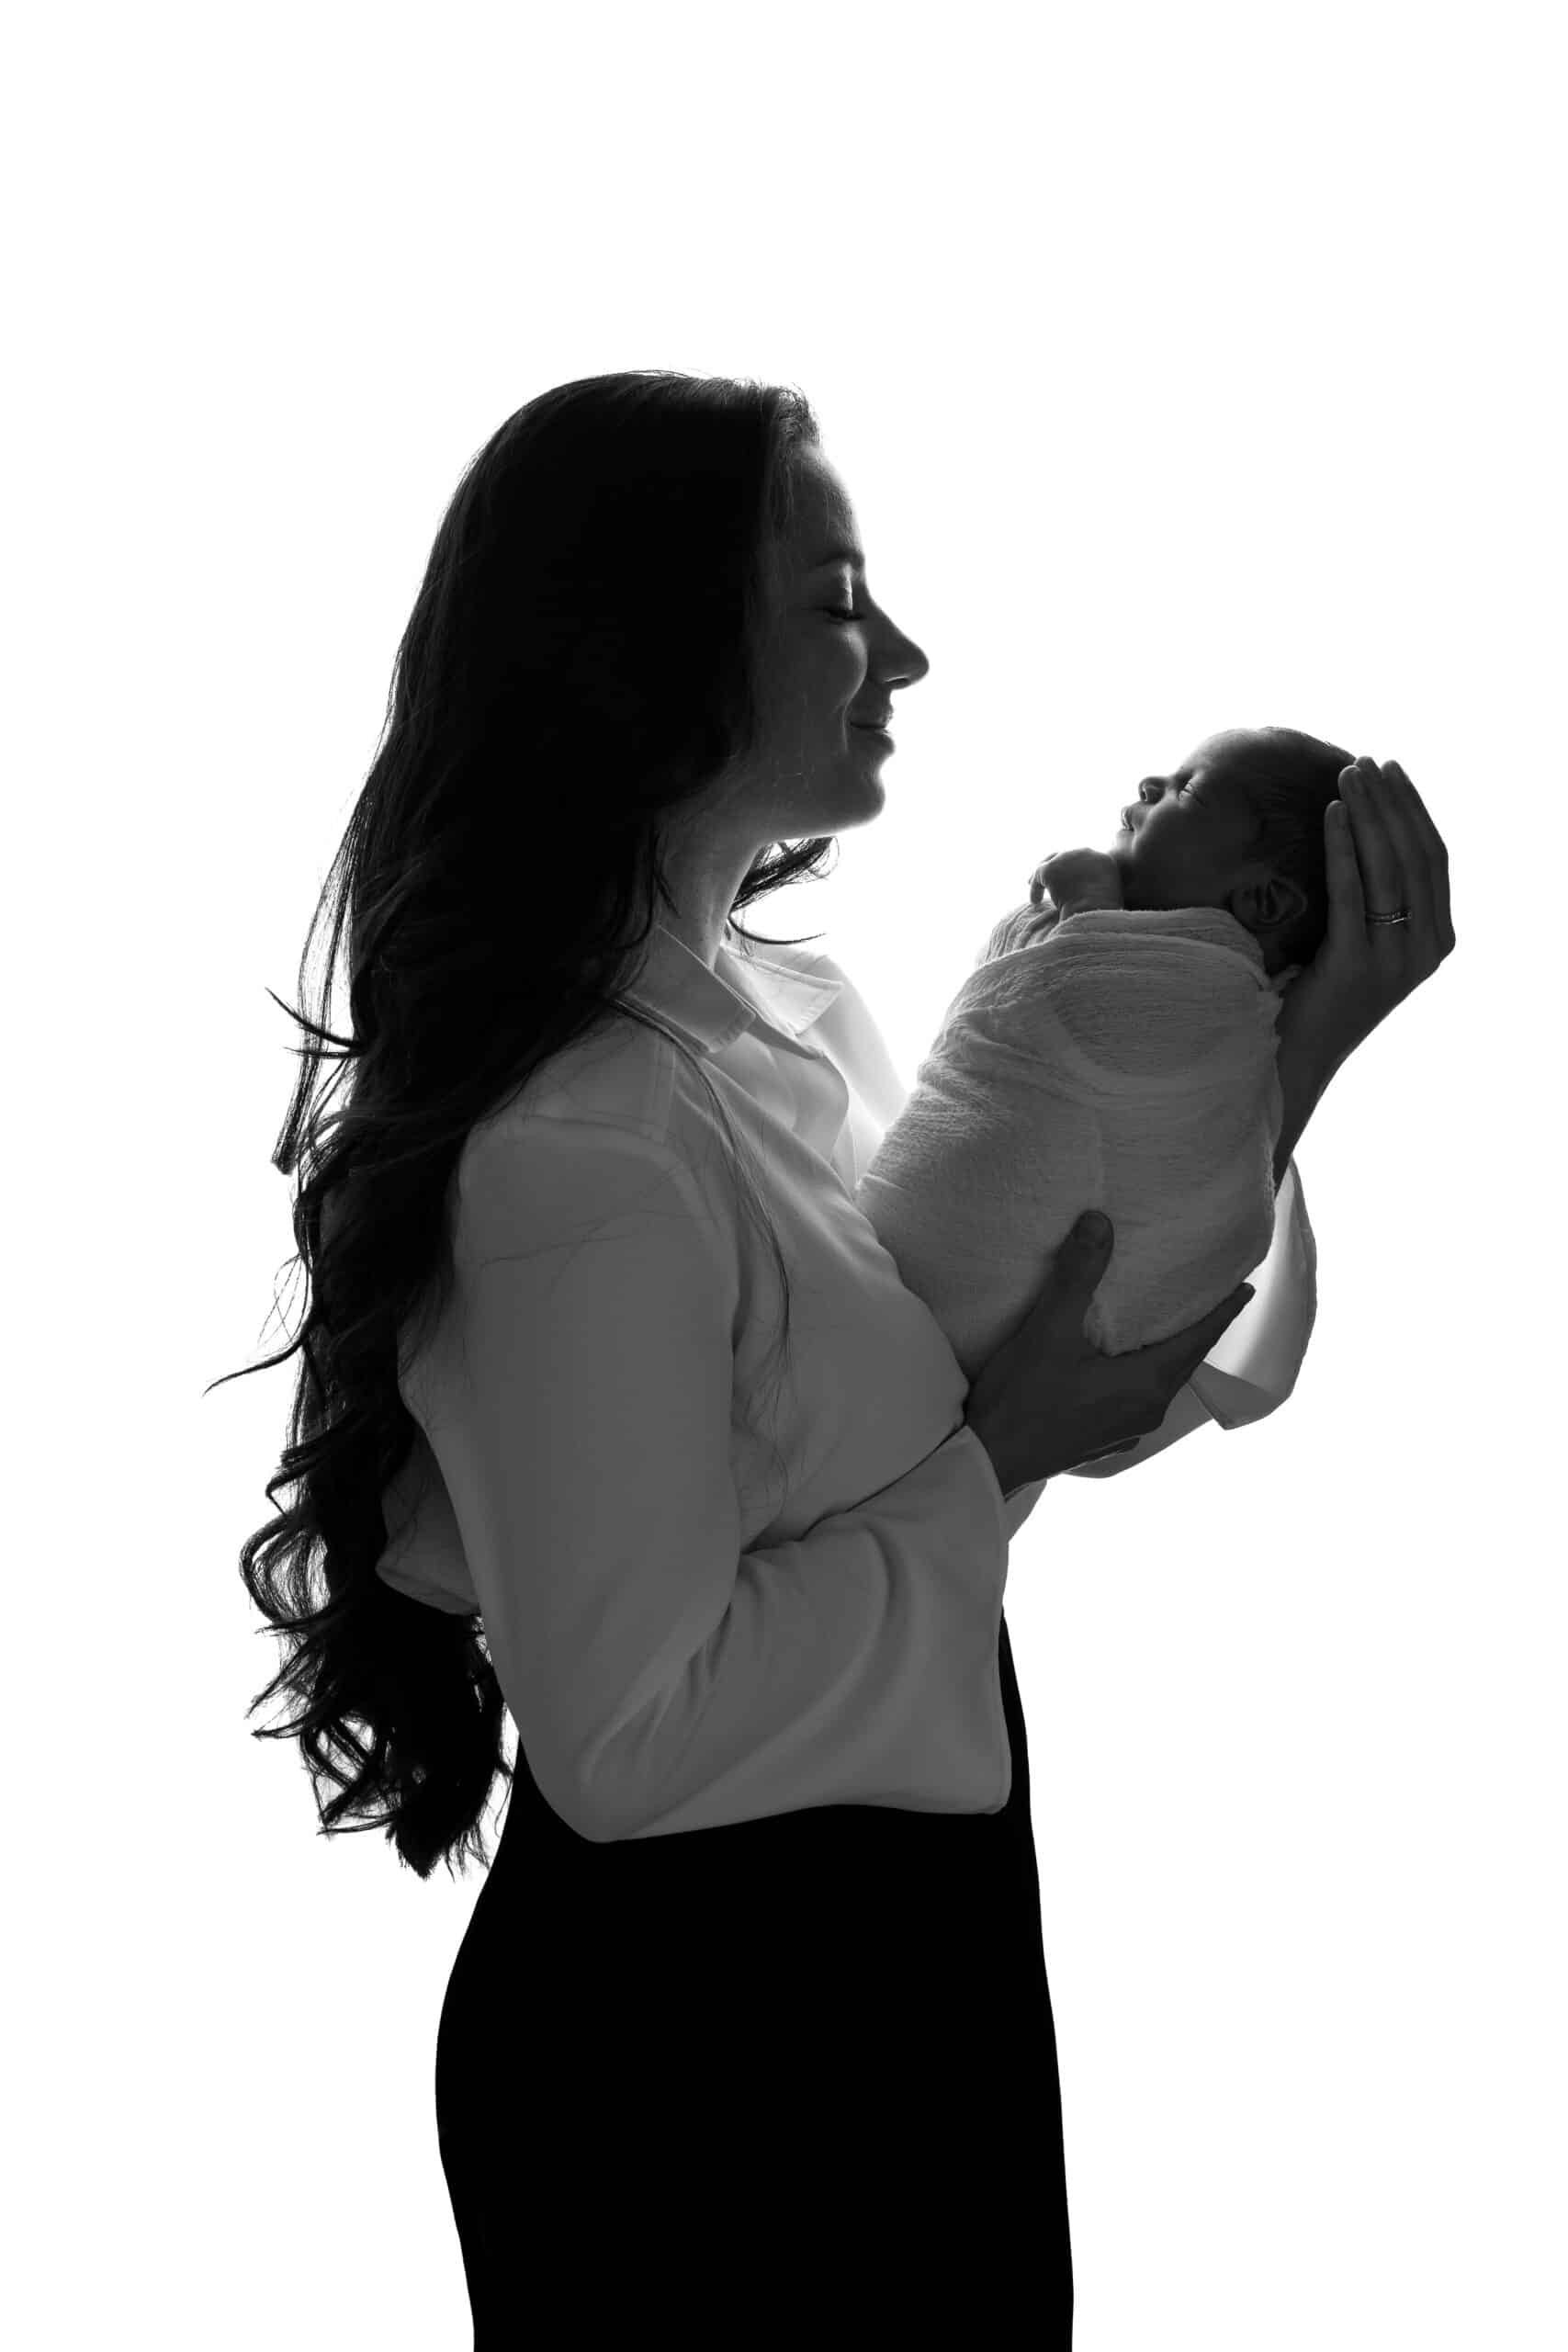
579 662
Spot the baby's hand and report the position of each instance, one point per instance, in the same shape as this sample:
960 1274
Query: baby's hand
1078 879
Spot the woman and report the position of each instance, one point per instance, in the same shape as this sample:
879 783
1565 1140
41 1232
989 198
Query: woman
753 2004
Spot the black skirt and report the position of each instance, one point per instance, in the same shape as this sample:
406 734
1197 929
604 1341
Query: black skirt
792 2072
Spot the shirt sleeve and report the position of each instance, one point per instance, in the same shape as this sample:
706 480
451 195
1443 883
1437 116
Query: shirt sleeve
580 1405
1252 1365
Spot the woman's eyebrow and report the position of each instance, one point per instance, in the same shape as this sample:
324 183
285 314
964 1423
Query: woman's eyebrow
852 556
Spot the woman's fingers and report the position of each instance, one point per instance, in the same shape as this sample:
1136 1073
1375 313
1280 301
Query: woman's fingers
1427 849
1378 842
1403 858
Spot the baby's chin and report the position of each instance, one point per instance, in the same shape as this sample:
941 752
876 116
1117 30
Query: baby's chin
1126 866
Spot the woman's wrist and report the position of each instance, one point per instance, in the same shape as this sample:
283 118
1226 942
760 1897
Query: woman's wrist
1304 1062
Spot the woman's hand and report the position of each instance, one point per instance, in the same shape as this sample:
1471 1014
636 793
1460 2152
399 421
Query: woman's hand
1048 1399
1386 854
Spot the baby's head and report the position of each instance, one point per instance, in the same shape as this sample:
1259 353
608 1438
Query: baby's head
1239 825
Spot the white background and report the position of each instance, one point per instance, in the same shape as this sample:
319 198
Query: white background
1187 367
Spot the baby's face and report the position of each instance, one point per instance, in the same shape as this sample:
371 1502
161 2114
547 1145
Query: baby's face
1185 839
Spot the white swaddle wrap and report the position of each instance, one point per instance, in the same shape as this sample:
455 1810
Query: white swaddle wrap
1123 1060
1128 1063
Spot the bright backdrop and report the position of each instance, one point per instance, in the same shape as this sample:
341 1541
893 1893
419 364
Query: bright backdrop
1188 369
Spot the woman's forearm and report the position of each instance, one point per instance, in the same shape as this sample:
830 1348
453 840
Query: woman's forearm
1304 1065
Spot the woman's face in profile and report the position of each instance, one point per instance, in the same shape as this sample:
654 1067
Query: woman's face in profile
829 665
832 663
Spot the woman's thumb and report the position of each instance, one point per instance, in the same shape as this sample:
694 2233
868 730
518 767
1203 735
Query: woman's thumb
1082 1257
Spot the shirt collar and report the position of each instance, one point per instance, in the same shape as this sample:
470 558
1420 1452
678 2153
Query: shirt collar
783 990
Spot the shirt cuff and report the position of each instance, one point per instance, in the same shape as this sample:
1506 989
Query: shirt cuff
1252 1367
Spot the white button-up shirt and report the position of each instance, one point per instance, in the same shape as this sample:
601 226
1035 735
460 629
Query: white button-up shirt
715 1588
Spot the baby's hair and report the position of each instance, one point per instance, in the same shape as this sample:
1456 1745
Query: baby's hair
1290 778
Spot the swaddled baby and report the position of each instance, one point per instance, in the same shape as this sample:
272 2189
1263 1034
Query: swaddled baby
1116 1050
